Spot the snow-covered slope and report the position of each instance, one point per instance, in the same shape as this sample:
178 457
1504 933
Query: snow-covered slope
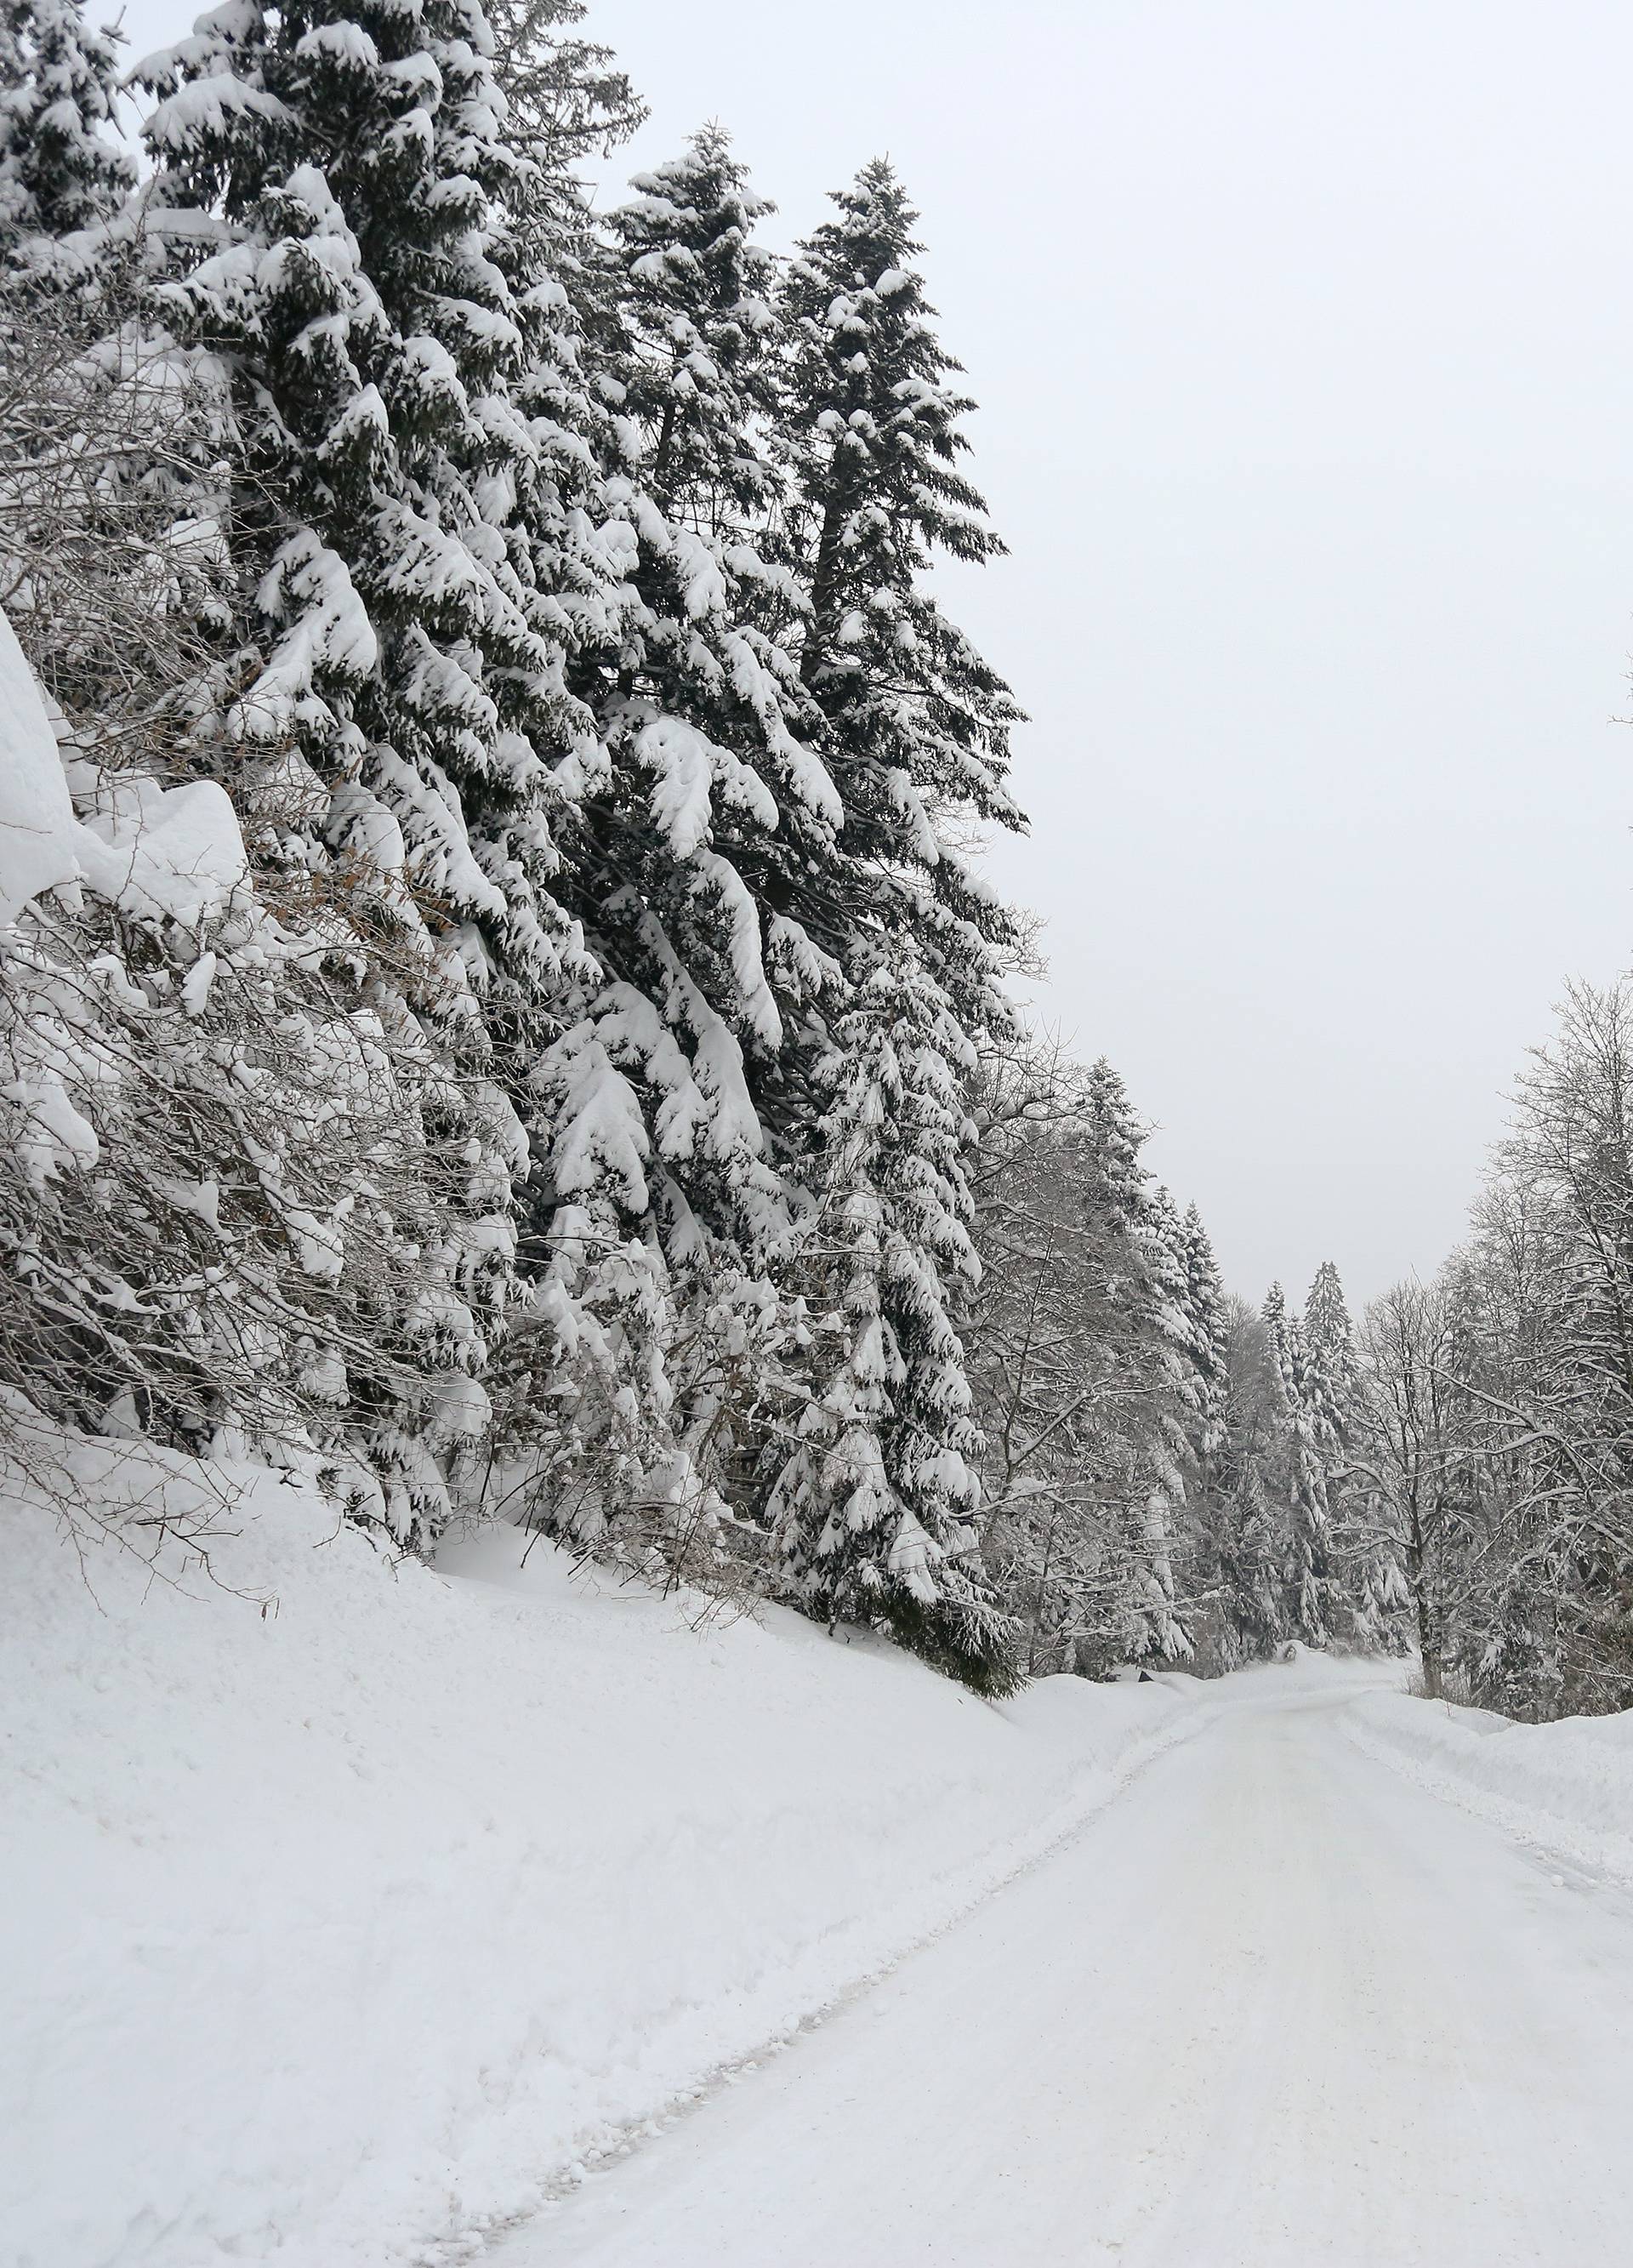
350 1903
1568 1786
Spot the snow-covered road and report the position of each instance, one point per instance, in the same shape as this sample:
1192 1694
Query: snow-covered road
1274 2005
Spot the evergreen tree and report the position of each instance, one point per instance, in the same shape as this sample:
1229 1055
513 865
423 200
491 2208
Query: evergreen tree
415 520
1241 1521
1118 1138
699 789
1177 1404
62 180
567 101
1274 1315
377 348
876 1510
1370 1574
692 355
1312 1602
1329 1342
915 721
1207 1339
915 725
1248 1571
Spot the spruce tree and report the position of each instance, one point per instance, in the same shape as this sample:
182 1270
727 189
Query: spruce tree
1244 1518
1329 1340
1177 1402
1207 1339
1313 1609
1274 1315
567 100
63 177
1149 1384
1373 1576
913 725
416 535
916 723
378 350
875 1512
699 790
706 789
692 350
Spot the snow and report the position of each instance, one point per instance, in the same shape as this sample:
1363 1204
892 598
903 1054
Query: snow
1275 2007
1567 1786
39 840
352 1904
158 853
161 854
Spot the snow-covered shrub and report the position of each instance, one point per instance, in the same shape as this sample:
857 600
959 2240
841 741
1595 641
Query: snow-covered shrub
238 1197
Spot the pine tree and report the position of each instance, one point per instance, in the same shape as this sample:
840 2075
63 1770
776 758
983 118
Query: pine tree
1242 1519
1247 1556
700 789
414 519
566 100
1274 1315
692 355
1329 1340
1207 1338
62 180
915 721
1177 1400
416 563
1312 1601
876 1510
915 726
707 794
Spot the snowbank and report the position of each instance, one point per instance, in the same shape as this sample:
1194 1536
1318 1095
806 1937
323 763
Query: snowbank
1568 1786
350 1904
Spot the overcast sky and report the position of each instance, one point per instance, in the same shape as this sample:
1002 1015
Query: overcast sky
1302 335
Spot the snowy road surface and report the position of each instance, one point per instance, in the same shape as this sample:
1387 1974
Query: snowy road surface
1274 2005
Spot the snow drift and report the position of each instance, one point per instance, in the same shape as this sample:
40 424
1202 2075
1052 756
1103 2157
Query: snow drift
1568 1786
355 1903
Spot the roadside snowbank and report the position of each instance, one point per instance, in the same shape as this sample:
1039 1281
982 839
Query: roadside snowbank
1568 1786
350 1904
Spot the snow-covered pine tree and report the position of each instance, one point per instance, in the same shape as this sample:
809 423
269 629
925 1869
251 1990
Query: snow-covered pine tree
1149 1386
1367 1572
1178 1400
1120 1178
1207 1332
700 792
693 351
915 725
1313 1604
419 537
63 178
1273 1316
1242 1521
411 611
916 719
1245 1564
887 1442
1083 1369
1329 1343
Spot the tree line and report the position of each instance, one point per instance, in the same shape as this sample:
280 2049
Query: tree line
578 1078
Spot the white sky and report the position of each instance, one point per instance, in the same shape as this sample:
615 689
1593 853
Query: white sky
1302 335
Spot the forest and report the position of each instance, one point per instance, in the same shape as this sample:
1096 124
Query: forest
502 1010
